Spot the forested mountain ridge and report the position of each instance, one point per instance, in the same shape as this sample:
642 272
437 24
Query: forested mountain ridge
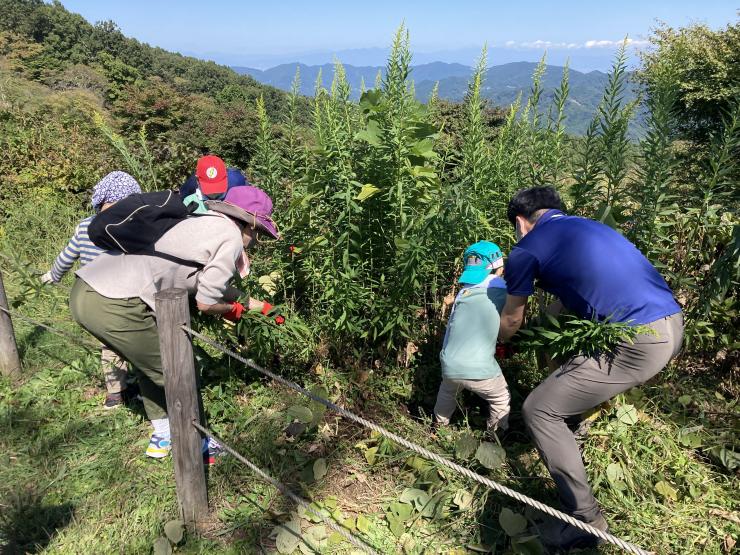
501 86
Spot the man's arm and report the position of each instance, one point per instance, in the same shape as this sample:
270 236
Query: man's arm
512 316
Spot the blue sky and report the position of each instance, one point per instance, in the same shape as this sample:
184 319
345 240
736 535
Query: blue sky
280 31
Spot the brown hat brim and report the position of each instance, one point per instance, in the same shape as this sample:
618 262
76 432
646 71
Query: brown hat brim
233 211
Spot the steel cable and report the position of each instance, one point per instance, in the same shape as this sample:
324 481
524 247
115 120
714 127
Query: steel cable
546 509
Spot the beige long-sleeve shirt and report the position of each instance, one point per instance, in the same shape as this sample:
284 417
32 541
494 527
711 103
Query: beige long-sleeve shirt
210 239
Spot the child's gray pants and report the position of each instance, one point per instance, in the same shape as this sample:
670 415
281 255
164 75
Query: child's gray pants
492 390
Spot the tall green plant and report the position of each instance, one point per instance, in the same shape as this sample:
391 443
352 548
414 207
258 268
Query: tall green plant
615 116
536 142
293 153
603 158
266 161
470 194
713 238
507 170
474 167
372 192
654 178
556 152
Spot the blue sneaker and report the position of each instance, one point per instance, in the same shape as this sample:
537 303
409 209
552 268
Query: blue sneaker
159 447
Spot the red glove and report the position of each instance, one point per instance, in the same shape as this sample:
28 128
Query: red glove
267 308
235 313
504 351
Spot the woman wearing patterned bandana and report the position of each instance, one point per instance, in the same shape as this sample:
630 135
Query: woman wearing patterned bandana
113 187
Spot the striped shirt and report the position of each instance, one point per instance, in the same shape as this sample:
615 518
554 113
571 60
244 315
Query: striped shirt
79 248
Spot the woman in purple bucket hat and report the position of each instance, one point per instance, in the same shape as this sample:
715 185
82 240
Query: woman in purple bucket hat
113 296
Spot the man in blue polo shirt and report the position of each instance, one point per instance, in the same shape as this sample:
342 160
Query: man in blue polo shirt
597 274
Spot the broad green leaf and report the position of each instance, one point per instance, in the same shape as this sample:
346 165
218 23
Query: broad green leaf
370 454
465 446
627 414
317 535
363 524
319 469
666 490
463 499
396 525
288 536
300 413
416 496
162 547
401 511
424 148
489 455
401 243
512 523
350 523
316 512
174 531
691 440
684 400
371 133
318 409
417 463
370 99
694 491
614 473
527 545
367 191
434 506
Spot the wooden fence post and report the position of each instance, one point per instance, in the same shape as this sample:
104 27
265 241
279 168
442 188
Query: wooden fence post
183 403
10 362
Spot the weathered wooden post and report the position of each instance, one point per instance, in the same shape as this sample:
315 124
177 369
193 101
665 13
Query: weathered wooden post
183 403
10 362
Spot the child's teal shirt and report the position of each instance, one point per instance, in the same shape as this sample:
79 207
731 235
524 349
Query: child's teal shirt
469 348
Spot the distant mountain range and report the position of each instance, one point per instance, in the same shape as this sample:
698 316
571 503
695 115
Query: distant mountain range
502 85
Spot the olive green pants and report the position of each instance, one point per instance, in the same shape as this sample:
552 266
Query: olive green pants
128 327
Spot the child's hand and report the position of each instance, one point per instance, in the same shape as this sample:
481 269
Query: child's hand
449 299
46 279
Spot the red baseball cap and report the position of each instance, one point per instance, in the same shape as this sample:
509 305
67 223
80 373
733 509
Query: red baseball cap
212 176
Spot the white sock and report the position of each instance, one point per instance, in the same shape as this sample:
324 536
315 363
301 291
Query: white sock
161 427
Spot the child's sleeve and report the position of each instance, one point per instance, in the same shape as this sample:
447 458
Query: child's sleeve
67 257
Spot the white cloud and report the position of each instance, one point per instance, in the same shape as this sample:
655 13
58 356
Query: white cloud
613 43
540 44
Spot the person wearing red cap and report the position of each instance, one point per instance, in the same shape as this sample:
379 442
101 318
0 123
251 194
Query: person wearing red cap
213 178
113 297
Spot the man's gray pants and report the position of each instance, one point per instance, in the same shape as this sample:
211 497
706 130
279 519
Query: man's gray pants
582 384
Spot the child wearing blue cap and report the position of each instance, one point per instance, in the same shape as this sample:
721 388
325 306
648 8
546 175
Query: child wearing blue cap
468 353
